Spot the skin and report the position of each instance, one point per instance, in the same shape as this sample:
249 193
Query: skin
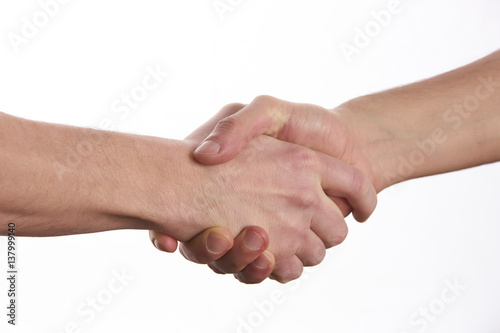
63 180
446 123
247 265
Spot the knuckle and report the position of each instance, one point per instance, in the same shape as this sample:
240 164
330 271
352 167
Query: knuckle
274 109
359 184
305 197
316 257
265 99
304 159
229 123
338 236
319 254
287 271
290 275
231 109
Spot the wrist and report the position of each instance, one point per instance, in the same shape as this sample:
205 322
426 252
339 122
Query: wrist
374 141
446 123
403 141
161 188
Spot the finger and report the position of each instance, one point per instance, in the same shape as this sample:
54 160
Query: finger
328 224
342 204
342 180
248 246
265 115
312 250
207 246
287 270
258 270
204 130
163 242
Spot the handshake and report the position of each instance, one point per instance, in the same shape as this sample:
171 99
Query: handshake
278 180
260 190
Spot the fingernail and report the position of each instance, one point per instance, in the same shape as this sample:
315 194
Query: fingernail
216 244
155 243
253 241
210 147
261 262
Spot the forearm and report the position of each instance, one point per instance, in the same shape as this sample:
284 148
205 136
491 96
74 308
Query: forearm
59 180
442 124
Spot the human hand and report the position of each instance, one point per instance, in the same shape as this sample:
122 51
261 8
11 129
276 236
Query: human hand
345 132
339 234
371 132
245 256
249 261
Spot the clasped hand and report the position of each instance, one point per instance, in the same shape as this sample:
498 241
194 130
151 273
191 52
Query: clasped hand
269 207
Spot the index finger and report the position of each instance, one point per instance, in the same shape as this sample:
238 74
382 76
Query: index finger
340 179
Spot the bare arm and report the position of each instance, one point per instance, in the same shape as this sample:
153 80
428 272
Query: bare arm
59 180
442 124
446 123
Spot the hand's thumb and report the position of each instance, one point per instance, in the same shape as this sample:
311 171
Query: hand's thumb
225 142
232 133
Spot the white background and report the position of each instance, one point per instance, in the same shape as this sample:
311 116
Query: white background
424 232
